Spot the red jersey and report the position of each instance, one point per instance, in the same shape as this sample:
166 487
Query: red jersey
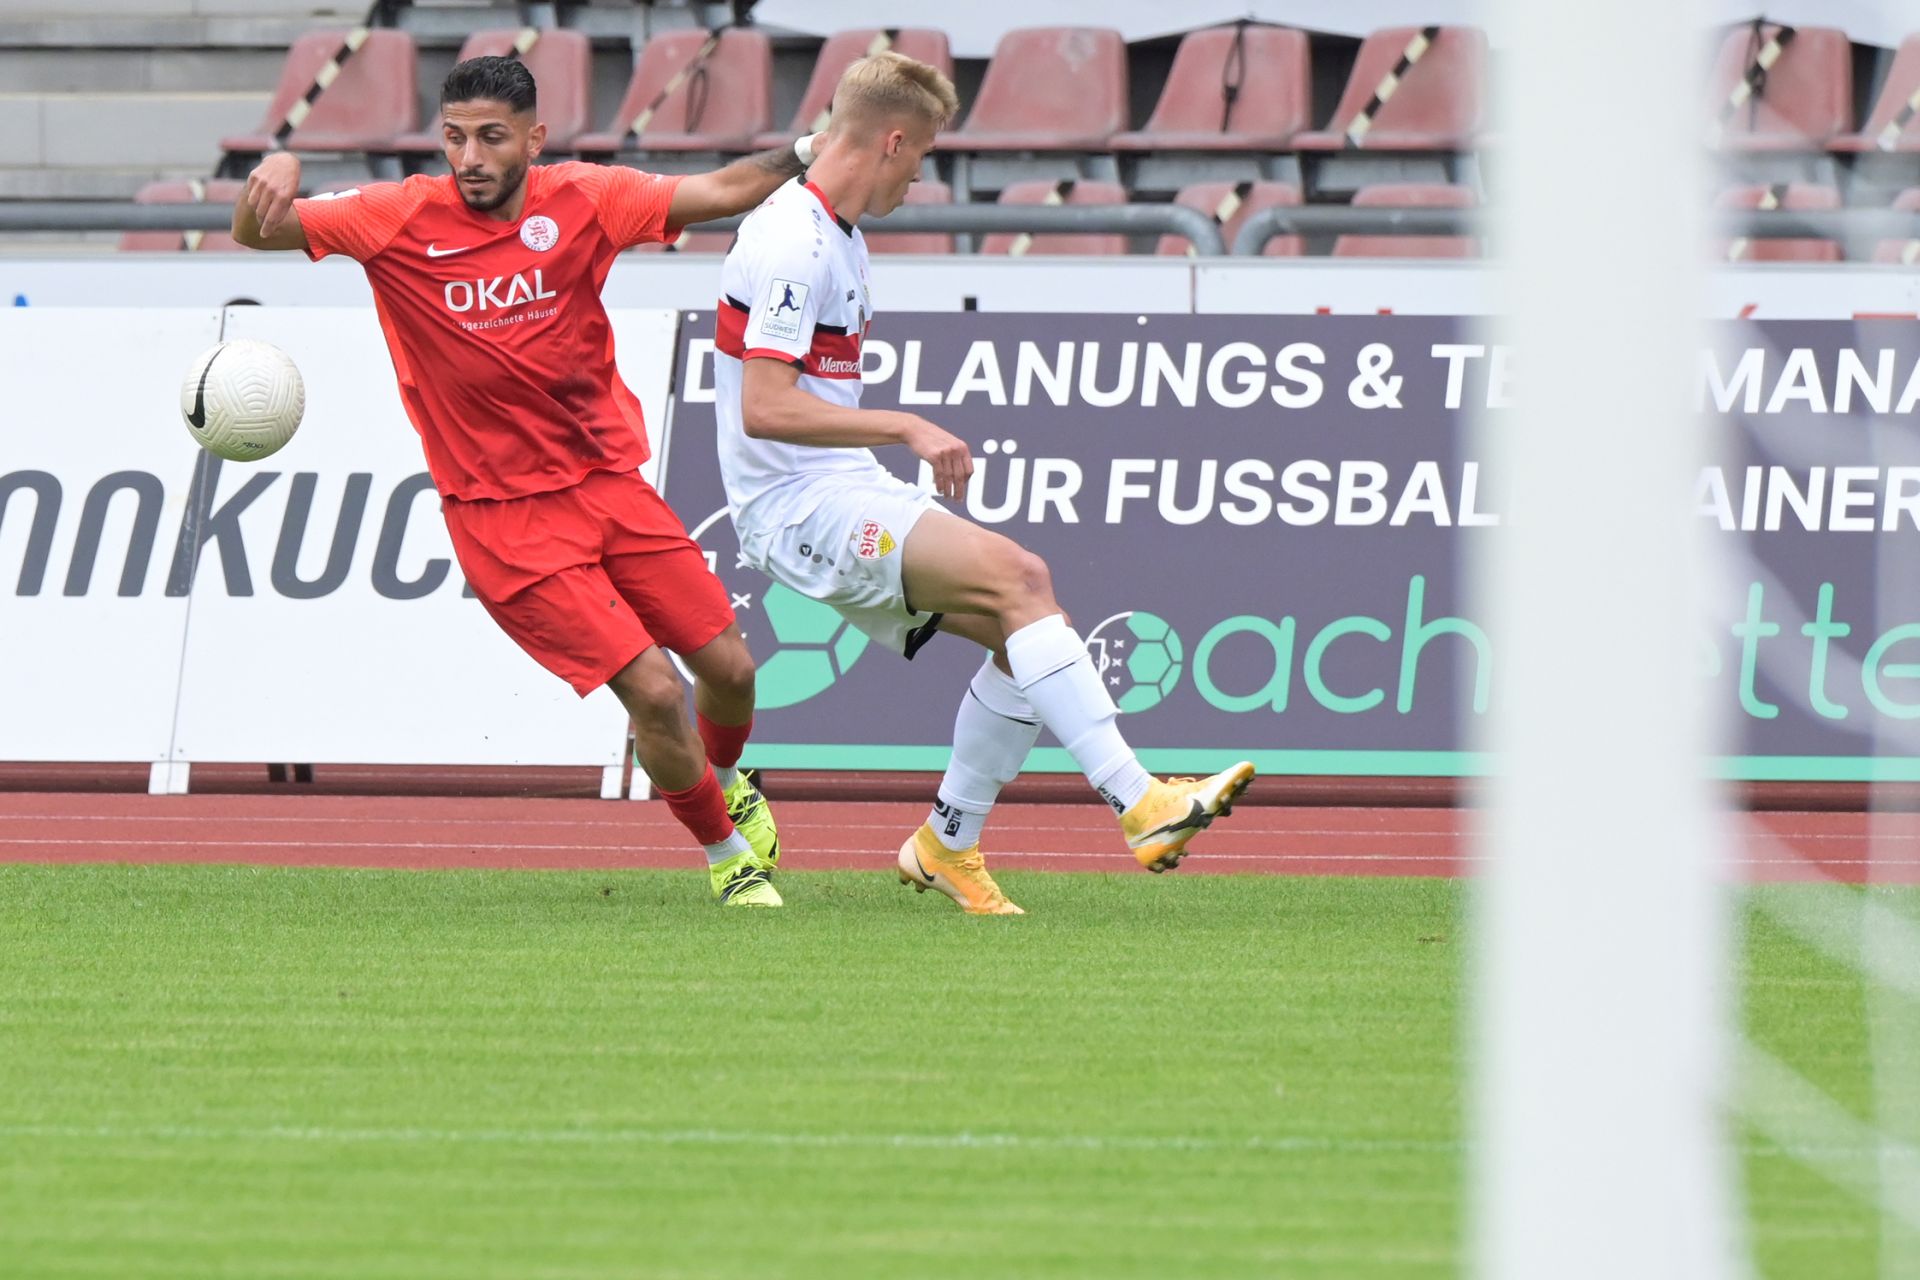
498 335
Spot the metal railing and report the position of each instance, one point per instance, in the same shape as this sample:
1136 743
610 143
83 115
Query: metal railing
1124 219
1857 225
1824 224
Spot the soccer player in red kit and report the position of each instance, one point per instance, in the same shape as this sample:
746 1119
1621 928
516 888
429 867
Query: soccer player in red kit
487 284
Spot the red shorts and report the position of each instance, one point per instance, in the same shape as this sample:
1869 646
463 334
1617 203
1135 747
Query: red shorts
586 578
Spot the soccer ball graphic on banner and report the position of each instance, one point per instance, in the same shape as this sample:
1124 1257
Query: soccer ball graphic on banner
1139 656
803 646
816 646
243 400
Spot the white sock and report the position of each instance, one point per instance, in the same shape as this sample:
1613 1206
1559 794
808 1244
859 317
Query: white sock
734 845
726 775
992 733
1052 668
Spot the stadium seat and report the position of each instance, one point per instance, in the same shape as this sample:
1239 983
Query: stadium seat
1072 193
1238 202
1782 195
1410 195
921 192
371 102
1905 252
1049 89
1435 104
718 103
840 51
1271 103
221 191
1802 101
562 67
1892 125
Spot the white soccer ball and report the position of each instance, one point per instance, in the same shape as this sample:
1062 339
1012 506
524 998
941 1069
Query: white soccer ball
243 399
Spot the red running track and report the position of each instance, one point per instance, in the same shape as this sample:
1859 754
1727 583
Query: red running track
438 832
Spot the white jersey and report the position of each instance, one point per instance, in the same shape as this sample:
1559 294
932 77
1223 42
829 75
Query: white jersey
794 288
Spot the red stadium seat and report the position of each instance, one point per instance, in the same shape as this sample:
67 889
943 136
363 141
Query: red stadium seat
1072 193
371 102
221 191
922 192
1891 126
1410 195
1905 252
1272 103
839 52
562 67
1436 104
1782 195
1805 99
1049 89
1247 199
720 103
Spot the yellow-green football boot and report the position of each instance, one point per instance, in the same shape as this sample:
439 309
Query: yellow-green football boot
753 818
744 880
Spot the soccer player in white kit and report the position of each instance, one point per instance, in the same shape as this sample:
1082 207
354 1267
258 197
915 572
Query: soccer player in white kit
816 511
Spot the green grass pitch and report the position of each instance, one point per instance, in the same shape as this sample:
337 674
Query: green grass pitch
238 1072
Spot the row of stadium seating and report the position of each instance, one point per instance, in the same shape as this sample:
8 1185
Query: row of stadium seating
1229 204
1245 87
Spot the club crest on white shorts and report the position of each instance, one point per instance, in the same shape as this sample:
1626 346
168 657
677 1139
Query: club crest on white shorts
872 541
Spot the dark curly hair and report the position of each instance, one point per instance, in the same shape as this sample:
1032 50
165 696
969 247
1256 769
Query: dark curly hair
490 79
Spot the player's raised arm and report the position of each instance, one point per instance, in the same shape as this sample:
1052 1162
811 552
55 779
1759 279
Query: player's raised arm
263 216
740 186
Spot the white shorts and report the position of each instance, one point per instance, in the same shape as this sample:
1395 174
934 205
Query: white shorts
846 553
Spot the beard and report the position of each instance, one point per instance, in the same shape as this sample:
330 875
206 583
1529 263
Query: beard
503 190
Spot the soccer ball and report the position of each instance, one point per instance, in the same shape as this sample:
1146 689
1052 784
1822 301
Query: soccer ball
1138 656
816 646
242 400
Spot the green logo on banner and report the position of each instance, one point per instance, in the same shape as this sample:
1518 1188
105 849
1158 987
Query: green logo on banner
800 645
816 646
1139 656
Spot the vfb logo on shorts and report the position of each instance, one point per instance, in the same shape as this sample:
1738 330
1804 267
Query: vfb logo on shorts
873 541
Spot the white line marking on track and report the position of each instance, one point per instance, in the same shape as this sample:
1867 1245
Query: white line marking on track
1236 828
885 855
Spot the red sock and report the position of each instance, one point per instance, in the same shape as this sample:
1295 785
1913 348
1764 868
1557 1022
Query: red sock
725 742
701 809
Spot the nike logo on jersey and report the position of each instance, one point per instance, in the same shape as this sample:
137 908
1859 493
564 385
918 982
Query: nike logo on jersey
435 251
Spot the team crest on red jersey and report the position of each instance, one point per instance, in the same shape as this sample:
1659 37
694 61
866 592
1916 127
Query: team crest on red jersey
539 233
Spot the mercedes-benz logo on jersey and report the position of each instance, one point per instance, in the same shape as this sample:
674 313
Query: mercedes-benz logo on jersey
539 233
802 646
1139 658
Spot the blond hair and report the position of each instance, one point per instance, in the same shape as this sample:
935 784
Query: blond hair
885 85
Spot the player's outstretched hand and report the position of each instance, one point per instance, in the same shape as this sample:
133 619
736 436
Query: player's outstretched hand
947 454
271 188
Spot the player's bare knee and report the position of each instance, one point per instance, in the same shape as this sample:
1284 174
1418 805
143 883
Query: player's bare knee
650 691
1025 577
732 673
